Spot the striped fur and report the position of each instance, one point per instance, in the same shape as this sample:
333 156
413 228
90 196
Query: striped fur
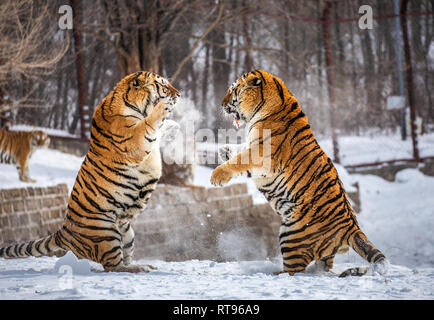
301 183
17 147
117 177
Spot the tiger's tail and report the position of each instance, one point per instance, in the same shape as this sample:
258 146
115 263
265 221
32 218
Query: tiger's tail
47 246
360 243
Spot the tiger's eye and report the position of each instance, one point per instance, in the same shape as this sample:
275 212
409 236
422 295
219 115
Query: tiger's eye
256 82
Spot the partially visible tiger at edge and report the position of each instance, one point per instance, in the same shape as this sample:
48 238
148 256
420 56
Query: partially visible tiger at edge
301 183
17 147
117 177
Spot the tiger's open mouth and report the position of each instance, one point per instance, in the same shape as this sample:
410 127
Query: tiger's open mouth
174 98
238 118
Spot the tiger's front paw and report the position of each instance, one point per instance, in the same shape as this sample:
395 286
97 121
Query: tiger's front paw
170 130
225 152
221 176
162 110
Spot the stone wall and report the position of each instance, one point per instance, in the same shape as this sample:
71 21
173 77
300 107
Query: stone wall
197 223
76 147
31 213
178 224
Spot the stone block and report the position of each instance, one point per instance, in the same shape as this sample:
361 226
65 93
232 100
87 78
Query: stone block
18 206
30 192
37 192
32 204
7 207
51 190
24 219
4 222
46 203
63 188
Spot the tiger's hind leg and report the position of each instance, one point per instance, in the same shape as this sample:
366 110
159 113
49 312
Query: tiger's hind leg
294 260
108 251
113 262
127 233
103 244
324 264
294 263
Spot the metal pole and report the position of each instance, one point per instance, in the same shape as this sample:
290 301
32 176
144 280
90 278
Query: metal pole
330 79
400 71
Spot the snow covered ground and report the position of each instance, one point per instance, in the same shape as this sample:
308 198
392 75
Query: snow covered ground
396 216
37 278
49 167
378 147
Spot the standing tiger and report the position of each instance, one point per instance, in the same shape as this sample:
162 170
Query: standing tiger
300 183
17 147
117 177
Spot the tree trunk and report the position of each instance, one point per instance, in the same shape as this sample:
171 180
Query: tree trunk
248 62
220 71
81 102
330 79
205 81
409 77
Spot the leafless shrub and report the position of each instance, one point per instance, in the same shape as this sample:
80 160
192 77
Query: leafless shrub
29 50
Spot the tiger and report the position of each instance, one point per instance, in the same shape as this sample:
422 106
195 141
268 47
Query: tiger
117 177
300 181
17 147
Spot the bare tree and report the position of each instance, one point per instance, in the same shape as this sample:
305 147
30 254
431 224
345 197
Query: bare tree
24 56
139 29
205 45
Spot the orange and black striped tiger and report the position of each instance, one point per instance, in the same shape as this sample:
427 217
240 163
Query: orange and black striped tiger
117 177
17 147
300 181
